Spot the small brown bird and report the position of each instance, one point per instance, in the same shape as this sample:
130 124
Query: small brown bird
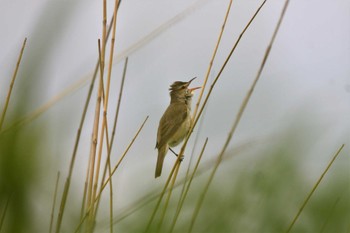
175 122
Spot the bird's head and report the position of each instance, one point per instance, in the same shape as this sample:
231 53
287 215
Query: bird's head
179 90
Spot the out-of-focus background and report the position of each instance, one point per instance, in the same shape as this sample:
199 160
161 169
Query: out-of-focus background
296 120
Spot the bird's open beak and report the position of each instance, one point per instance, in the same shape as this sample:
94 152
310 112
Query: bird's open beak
191 80
192 89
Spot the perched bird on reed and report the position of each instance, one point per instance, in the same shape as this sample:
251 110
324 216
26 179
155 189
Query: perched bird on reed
175 122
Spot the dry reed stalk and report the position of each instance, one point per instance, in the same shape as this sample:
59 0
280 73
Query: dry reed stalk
54 202
2 119
314 189
2 219
102 95
93 146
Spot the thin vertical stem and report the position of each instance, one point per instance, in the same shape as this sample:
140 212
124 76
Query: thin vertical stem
83 202
2 119
101 92
54 202
111 52
314 188
93 146
104 34
2 219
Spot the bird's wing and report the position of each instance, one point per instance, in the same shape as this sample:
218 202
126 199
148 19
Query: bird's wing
170 122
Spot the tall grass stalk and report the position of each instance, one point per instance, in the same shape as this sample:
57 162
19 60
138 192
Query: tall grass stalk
3 114
93 147
100 144
4 212
314 189
54 202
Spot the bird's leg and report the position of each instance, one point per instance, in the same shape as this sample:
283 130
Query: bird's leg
182 157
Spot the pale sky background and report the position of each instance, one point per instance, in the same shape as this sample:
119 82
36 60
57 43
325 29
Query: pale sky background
305 84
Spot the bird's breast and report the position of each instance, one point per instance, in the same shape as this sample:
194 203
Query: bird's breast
181 133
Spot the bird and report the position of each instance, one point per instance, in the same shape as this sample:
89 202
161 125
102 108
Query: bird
175 122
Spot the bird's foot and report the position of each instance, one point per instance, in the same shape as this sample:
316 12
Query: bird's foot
181 157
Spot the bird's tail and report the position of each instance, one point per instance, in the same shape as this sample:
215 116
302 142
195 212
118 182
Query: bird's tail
161 155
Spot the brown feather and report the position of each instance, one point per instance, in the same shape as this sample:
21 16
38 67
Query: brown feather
160 160
170 122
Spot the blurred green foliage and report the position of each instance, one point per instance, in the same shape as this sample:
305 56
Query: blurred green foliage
262 193
19 157
18 174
